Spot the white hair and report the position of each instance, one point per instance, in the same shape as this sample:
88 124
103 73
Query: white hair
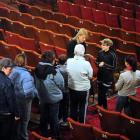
79 50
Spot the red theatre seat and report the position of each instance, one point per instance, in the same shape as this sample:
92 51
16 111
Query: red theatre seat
110 120
115 10
87 13
127 23
131 127
112 20
75 10
134 102
99 16
64 7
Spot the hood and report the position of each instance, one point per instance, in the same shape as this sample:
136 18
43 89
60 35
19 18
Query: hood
43 69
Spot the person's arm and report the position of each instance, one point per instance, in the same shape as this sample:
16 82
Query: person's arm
28 85
113 65
70 49
59 80
97 62
11 100
120 83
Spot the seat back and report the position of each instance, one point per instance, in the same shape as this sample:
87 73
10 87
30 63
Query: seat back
81 131
35 136
110 120
131 127
135 106
75 10
127 23
64 7
102 135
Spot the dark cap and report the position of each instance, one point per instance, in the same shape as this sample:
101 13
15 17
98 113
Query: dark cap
107 42
6 62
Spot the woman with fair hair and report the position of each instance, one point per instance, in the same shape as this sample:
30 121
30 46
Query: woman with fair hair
79 74
25 91
80 38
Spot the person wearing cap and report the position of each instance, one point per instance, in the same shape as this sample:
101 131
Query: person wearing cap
106 61
8 111
79 38
79 74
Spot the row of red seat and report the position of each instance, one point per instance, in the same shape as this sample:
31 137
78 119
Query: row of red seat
71 7
29 43
91 26
129 4
119 123
54 26
99 16
88 132
54 39
10 51
13 38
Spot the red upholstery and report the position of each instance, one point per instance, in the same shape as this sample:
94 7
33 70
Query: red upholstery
99 16
127 23
75 10
126 13
81 131
135 106
115 9
91 3
87 13
102 135
131 127
63 7
112 20
110 120
103 6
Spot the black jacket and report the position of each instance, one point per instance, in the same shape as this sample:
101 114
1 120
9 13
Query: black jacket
105 73
71 46
7 96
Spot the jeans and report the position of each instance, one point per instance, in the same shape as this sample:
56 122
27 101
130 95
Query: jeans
49 116
122 102
22 125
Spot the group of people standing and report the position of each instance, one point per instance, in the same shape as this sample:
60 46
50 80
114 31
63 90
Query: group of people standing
62 87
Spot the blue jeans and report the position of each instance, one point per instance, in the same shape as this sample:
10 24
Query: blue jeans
49 116
122 103
22 125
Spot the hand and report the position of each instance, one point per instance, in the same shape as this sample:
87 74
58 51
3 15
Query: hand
17 118
101 64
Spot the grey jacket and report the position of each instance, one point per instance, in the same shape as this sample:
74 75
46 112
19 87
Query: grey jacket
49 83
127 83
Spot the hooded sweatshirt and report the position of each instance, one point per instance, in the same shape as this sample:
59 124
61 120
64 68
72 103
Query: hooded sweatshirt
49 83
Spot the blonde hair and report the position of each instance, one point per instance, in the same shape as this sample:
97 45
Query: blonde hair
82 31
20 60
107 42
